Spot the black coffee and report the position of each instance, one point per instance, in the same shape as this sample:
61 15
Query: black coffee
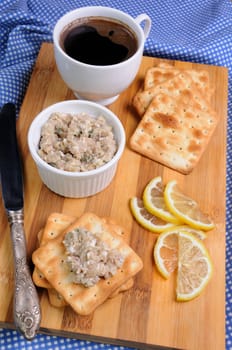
99 41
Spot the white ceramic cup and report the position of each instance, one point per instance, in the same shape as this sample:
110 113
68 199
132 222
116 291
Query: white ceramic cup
101 84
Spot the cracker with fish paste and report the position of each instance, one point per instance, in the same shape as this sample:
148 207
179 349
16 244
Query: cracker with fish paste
50 260
58 301
180 85
173 132
55 225
123 288
55 299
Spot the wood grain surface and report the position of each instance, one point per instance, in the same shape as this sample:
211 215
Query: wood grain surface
147 316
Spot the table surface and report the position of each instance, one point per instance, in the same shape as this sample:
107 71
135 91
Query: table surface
203 34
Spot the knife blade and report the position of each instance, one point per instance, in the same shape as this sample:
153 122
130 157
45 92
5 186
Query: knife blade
26 308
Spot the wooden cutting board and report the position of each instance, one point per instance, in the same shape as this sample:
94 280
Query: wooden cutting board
147 316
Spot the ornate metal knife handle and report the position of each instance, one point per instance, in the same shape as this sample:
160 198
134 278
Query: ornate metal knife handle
26 302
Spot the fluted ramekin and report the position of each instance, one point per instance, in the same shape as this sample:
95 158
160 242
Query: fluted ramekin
76 184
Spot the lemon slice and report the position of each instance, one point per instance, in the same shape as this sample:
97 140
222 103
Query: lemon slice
185 208
194 267
184 251
146 219
166 252
153 199
166 248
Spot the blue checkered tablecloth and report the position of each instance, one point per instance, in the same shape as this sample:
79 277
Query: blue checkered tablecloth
198 31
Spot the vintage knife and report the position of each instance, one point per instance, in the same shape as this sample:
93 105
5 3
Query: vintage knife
26 302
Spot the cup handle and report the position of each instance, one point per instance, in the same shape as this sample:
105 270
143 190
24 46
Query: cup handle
147 23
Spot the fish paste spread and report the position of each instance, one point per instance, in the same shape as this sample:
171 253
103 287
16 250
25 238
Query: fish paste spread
89 258
76 142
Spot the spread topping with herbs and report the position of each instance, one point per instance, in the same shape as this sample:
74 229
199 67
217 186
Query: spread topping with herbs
89 258
76 142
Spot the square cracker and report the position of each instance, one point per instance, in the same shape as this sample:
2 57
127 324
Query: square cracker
179 85
159 74
175 132
50 259
55 225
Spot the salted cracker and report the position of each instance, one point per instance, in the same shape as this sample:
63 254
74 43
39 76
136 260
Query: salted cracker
181 82
175 131
159 74
50 258
55 225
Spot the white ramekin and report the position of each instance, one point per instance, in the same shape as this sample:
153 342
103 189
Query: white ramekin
76 184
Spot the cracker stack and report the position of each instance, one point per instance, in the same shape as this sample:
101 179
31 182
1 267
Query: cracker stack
50 272
177 119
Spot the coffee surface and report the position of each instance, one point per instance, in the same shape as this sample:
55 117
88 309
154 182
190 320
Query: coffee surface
99 41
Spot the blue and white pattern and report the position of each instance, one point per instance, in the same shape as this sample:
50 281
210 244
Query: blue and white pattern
198 31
